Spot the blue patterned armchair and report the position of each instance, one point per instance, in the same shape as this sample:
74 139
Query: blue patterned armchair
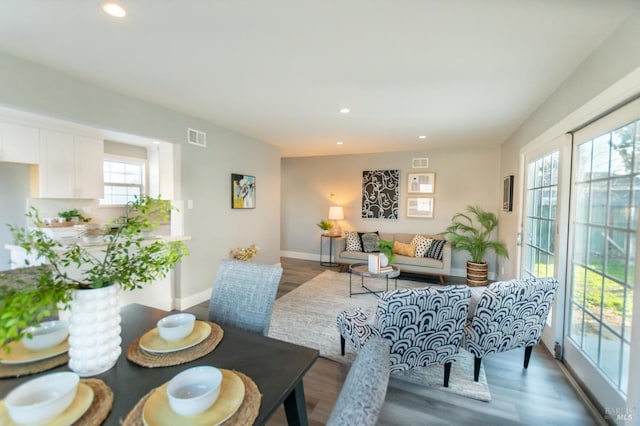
424 326
509 315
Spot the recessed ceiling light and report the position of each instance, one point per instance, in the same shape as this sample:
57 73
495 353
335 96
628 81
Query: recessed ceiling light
422 137
114 9
345 110
339 143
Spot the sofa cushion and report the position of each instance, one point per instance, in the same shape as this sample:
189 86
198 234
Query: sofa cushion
422 244
369 241
412 261
404 249
435 250
352 241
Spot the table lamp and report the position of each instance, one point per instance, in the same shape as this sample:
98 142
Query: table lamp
336 213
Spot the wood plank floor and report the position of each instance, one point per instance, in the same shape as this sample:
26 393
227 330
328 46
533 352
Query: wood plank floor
539 395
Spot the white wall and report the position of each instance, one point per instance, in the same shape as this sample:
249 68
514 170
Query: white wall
204 173
14 191
310 185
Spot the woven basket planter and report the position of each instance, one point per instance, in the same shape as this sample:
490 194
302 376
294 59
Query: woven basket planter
477 274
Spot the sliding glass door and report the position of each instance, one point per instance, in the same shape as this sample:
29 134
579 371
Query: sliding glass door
603 234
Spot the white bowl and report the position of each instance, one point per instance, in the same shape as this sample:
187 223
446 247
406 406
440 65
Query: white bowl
177 326
48 334
92 239
43 398
194 390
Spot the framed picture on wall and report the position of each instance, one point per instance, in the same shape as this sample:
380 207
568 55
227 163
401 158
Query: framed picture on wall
507 194
421 183
421 207
243 191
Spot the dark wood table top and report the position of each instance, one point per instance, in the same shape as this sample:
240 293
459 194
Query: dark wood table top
275 366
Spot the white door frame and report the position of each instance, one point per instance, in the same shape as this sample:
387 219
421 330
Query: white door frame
555 332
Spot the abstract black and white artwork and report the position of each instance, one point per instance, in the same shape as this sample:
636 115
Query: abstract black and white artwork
380 194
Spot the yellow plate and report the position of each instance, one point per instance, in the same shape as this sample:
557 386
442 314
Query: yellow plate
21 355
158 412
79 406
152 342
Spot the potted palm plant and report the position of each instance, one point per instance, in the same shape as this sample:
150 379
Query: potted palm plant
122 260
471 232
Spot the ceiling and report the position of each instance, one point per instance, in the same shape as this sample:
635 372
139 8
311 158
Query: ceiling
462 73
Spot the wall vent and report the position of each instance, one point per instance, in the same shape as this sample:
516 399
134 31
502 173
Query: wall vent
420 163
196 137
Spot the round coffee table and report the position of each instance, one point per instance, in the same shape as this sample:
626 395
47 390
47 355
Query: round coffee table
362 269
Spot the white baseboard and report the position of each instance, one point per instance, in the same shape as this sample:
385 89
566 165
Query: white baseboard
193 300
300 255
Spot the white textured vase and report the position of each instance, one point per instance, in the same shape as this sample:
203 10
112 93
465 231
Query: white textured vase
94 330
384 260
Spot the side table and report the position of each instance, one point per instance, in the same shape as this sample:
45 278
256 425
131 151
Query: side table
330 262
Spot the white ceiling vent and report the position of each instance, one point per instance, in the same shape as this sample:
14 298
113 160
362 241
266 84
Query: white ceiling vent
196 137
420 163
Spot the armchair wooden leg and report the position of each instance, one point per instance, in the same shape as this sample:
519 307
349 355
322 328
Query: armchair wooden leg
447 373
342 345
527 355
441 280
476 368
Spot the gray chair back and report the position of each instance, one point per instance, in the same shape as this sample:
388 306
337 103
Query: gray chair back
365 388
243 295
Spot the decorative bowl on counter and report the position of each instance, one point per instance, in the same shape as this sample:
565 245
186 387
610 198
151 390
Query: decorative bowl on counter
177 326
194 390
43 398
46 335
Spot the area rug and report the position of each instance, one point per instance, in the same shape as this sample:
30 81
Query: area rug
307 316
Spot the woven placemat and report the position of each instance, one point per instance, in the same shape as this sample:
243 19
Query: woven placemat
245 415
101 405
151 360
17 370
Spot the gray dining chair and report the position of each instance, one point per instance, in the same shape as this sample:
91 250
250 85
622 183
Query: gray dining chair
243 295
365 387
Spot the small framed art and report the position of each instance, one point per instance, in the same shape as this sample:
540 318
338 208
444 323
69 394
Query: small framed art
243 191
507 194
421 183
420 207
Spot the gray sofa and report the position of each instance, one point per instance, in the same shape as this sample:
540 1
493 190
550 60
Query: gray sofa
420 265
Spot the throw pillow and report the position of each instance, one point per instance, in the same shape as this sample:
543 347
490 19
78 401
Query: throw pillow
369 241
404 249
422 244
352 241
435 251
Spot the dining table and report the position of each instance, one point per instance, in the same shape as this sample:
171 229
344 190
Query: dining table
275 366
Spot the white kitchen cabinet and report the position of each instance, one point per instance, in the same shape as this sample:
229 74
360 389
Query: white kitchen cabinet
19 144
70 166
89 160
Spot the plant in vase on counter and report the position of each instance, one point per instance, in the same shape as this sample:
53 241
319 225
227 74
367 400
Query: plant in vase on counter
125 260
74 216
